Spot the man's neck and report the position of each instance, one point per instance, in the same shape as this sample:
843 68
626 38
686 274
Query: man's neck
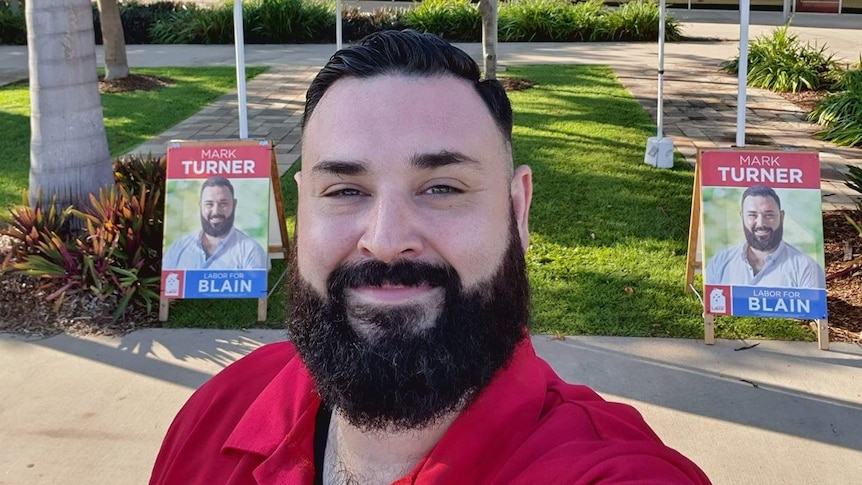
757 258
210 243
360 457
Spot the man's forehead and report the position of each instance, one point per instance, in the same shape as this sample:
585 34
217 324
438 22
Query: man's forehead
214 191
760 200
406 113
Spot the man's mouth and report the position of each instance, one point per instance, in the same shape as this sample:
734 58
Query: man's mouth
390 294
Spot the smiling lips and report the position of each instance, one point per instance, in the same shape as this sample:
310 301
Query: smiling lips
388 294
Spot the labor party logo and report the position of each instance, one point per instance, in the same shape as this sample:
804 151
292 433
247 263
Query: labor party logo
762 233
216 220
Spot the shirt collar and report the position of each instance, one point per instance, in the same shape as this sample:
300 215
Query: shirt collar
230 235
279 425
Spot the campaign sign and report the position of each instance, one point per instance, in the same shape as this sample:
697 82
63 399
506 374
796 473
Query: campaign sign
216 219
762 233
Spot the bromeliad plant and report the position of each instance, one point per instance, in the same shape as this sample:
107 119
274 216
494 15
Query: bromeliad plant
117 254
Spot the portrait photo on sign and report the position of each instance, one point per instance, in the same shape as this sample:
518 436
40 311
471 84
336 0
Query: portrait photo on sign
762 236
216 222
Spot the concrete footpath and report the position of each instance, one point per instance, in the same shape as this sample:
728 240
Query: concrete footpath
94 410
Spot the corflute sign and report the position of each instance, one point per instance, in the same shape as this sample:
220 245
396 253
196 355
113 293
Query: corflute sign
216 220
762 233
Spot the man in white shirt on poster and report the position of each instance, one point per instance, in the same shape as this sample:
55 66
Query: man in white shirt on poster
764 259
218 245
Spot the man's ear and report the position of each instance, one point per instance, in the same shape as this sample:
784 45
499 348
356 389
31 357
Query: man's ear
522 196
297 177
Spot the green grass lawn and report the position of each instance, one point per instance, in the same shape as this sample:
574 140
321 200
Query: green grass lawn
608 232
130 118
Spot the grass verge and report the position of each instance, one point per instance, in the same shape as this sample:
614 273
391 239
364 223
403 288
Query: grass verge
130 118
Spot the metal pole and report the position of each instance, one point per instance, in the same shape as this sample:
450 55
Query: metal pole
338 42
744 6
660 114
239 41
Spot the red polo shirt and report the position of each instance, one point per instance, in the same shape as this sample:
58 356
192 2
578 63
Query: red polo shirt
253 423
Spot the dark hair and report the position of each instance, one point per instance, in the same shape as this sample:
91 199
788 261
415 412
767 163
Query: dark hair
760 191
217 182
409 52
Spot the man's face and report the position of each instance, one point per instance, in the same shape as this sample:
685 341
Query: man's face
408 207
217 214
763 222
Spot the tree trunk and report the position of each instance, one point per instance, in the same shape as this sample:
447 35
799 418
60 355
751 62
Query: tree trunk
15 6
113 40
488 10
69 153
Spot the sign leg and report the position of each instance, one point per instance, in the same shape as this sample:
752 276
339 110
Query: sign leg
261 309
822 334
708 328
163 309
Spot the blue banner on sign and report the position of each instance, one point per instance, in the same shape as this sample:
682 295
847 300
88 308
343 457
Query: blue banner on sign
225 284
759 301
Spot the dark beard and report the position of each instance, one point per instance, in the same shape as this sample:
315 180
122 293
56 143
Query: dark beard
768 244
405 378
223 229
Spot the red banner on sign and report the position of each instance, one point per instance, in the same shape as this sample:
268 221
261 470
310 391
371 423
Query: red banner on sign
225 160
776 169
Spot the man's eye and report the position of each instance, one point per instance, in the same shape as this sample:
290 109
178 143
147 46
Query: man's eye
442 190
344 193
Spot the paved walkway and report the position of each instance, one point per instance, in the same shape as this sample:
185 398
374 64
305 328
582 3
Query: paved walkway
94 410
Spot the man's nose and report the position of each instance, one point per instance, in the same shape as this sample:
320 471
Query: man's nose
390 231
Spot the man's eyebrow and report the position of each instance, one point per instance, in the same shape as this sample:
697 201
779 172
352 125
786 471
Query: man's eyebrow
441 159
340 167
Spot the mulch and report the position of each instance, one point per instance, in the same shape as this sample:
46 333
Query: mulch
134 82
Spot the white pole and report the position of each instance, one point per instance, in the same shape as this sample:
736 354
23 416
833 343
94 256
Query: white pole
338 24
660 114
240 68
743 72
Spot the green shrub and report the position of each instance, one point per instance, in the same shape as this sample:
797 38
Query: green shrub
13 29
356 23
454 20
781 62
591 20
840 112
137 18
535 20
287 21
639 20
194 25
116 255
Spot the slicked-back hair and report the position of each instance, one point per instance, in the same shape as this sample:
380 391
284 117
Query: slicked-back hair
218 182
411 53
760 191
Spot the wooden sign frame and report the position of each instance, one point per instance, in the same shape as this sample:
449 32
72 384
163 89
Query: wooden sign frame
694 253
281 249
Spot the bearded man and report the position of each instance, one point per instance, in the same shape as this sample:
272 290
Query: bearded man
764 259
410 360
218 245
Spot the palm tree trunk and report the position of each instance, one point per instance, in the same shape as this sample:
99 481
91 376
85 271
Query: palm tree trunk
113 40
69 153
488 10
